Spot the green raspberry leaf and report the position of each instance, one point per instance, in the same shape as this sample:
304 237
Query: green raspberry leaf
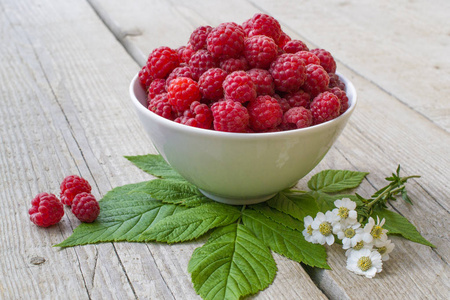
296 205
191 223
397 224
325 201
124 214
233 263
278 216
155 165
285 241
332 181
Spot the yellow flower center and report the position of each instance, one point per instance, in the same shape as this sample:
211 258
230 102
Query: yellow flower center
325 228
382 250
349 232
343 212
359 245
309 230
364 263
376 232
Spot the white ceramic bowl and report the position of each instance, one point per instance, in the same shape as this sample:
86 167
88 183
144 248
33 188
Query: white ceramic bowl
240 168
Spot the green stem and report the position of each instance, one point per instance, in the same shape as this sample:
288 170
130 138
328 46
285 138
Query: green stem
392 190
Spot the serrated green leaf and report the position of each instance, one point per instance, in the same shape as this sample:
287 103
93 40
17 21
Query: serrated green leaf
191 223
397 224
176 192
296 205
278 216
233 263
124 214
332 181
154 165
325 201
285 241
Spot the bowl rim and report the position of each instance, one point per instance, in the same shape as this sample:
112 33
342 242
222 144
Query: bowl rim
350 90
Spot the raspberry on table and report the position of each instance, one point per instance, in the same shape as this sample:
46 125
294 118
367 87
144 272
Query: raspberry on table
263 81
230 116
308 57
178 72
326 59
162 61
158 86
298 98
160 105
317 80
182 92
71 186
210 84
342 96
265 113
85 207
335 81
262 24
46 210
238 86
296 118
260 51
226 41
200 62
198 37
288 72
294 46
198 115
145 79
235 64
325 107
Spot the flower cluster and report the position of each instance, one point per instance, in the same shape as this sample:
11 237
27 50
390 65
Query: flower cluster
366 246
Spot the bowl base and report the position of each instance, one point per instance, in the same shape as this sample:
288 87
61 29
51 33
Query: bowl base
236 201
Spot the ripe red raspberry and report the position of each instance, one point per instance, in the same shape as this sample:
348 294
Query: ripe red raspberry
263 24
325 107
265 113
283 103
200 62
298 98
335 81
226 41
238 86
210 84
260 51
317 80
145 78
71 186
294 46
158 86
199 115
198 37
46 210
308 57
297 117
230 116
162 61
263 81
182 92
160 105
185 53
234 64
326 59
342 96
284 38
178 72
288 72
85 207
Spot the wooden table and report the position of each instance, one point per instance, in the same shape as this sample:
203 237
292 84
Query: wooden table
65 70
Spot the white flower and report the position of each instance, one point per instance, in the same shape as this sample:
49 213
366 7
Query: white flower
374 232
345 210
365 262
322 228
349 234
384 247
307 232
358 247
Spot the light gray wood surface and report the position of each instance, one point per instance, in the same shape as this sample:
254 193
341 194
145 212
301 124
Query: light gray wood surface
64 109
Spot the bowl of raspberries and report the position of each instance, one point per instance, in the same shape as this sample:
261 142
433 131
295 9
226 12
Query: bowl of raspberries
242 111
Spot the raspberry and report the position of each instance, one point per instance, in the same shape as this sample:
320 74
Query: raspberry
85 207
263 81
265 113
71 186
298 98
185 53
226 41
199 115
238 86
284 38
145 78
325 107
326 59
297 117
198 37
283 103
162 61
294 46
158 86
308 57
342 96
288 72
260 51
262 24
178 72
182 92
317 79
160 105
230 116
200 62
210 84
46 210
335 81
234 64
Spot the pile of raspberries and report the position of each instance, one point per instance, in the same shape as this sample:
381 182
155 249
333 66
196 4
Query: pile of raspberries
247 78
